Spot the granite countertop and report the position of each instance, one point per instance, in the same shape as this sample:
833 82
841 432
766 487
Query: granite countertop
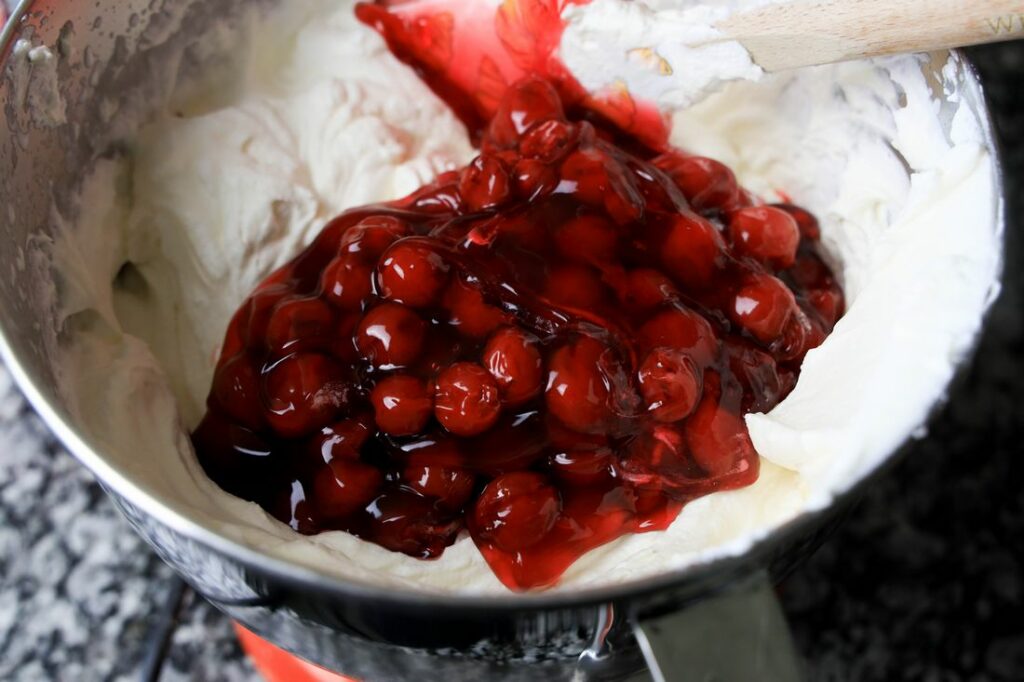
924 582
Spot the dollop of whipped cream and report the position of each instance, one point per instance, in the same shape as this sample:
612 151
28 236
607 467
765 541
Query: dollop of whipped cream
315 116
662 51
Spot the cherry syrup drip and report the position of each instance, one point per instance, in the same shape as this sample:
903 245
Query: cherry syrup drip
469 53
549 349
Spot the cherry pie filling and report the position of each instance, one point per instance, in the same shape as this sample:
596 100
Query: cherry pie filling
548 349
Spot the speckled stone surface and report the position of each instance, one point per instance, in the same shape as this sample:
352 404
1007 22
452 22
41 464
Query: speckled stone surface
79 592
925 581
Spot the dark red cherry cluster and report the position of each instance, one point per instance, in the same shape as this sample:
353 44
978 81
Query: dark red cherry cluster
550 348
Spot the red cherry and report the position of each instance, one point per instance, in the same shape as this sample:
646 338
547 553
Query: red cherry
281 279
809 227
234 338
402 405
532 179
467 310
800 335
829 304
525 232
485 184
810 272
404 521
507 157
435 449
815 333
236 391
681 329
657 460
584 176
624 202
588 239
757 371
586 388
304 392
347 282
717 438
413 273
763 306
344 346
439 198
670 383
344 486
448 177
767 234
647 288
655 510
575 286
237 459
513 360
516 511
306 323
660 193
292 507
706 183
596 175
548 141
560 437
390 335
526 103
442 347
692 250
515 442
467 400
451 487
584 467
260 307
342 440
373 235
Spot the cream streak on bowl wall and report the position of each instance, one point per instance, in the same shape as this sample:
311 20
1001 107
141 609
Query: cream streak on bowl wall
312 116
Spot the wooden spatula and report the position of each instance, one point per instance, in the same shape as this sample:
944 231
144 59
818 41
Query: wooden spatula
798 33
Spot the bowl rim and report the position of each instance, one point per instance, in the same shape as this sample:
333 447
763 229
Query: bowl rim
716 570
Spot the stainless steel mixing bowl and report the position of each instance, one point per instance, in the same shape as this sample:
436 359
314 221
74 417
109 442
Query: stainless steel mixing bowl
59 106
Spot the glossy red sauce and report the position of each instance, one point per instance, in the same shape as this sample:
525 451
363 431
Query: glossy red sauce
549 349
470 52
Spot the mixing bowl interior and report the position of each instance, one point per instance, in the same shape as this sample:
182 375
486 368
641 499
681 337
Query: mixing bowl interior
74 73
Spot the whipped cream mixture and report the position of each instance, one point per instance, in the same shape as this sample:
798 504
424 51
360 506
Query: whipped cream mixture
665 51
315 116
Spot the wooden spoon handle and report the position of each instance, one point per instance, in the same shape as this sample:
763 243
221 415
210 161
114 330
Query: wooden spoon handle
808 32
